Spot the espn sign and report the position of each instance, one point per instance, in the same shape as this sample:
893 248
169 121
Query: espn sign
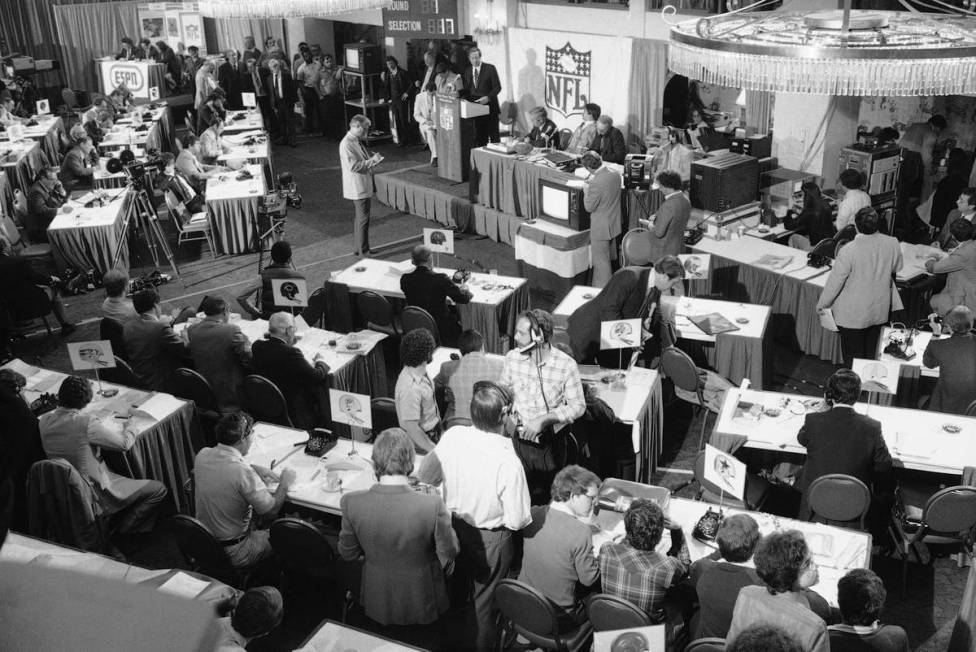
131 75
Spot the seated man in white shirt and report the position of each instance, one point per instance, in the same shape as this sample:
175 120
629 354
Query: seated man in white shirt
854 199
229 492
189 163
485 490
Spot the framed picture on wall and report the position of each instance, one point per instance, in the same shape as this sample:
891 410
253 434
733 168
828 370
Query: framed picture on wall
173 27
152 27
192 26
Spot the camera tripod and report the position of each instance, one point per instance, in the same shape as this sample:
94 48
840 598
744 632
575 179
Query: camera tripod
272 203
147 221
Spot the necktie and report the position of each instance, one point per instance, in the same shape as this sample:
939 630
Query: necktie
475 77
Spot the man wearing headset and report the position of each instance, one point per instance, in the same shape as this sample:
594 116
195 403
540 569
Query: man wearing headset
548 397
484 488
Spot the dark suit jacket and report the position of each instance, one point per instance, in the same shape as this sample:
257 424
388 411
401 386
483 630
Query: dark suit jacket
610 146
42 207
20 446
956 359
289 94
221 353
406 540
488 86
137 53
76 171
429 290
621 298
247 81
287 368
842 441
395 86
601 198
154 350
668 233
19 289
231 79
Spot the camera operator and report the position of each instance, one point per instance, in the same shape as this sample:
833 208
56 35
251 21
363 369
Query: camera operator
169 179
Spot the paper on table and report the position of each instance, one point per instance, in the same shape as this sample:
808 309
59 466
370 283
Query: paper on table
21 367
184 586
159 406
827 320
45 380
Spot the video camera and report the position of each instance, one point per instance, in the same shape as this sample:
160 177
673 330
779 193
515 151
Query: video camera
638 170
141 173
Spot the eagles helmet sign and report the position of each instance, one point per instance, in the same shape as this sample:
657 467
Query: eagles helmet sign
567 79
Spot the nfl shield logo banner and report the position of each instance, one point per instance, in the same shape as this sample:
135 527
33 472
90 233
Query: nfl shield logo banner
567 79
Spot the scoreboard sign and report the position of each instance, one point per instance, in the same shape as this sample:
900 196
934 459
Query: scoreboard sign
422 18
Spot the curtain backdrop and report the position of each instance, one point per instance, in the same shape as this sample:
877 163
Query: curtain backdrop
759 110
557 69
231 32
89 31
27 26
648 76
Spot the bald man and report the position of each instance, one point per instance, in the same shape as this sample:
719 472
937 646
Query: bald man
305 386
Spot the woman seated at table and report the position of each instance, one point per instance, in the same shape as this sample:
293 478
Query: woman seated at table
544 132
813 223
212 144
403 537
68 434
79 164
785 565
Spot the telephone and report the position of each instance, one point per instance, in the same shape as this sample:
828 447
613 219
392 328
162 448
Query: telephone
817 260
692 236
320 442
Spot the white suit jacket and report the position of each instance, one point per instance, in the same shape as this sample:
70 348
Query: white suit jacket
357 169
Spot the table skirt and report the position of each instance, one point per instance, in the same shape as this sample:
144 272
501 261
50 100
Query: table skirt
650 421
22 174
51 143
496 323
508 184
443 208
164 452
92 247
234 223
737 357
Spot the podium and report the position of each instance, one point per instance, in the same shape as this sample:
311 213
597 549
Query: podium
456 124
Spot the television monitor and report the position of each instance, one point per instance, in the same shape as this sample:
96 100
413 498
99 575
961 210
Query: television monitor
362 58
562 204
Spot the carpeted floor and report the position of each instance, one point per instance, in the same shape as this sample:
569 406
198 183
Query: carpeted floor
321 234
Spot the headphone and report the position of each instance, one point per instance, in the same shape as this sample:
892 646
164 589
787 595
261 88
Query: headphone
535 330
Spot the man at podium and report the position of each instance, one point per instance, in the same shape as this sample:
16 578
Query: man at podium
482 85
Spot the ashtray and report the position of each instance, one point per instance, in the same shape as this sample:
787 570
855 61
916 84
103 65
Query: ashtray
951 428
530 220
352 346
797 407
360 268
488 286
588 295
67 209
741 320
253 192
331 343
611 378
772 412
763 229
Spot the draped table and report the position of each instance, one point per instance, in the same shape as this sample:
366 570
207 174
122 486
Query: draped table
244 120
139 75
493 310
164 446
21 162
257 153
232 205
917 439
48 131
636 402
836 550
140 131
90 238
910 372
735 355
791 289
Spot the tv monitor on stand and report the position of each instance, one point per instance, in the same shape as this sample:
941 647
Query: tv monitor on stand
562 203
362 58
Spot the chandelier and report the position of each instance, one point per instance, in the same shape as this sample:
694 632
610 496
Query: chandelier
286 8
840 52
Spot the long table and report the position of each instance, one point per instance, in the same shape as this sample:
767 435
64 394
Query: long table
245 120
20 161
735 355
232 205
48 131
836 550
90 238
636 402
164 448
493 310
791 290
916 439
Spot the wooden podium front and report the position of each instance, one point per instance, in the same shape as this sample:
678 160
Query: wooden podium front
456 127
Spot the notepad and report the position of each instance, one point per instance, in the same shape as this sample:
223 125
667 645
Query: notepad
713 323
159 406
184 586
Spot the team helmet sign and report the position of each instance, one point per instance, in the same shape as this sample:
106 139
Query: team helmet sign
567 79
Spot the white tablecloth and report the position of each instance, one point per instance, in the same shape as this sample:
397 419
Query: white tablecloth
566 264
89 238
233 209
252 121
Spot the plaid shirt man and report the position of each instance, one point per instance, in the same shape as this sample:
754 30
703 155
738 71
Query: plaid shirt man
456 380
552 387
641 577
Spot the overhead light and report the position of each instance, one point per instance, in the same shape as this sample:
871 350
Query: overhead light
286 8
845 52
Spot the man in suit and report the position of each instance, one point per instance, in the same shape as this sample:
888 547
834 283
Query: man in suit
283 96
78 167
20 447
397 89
666 230
632 292
220 352
609 141
482 85
582 137
154 350
960 268
230 77
130 51
601 197
45 197
255 80
860 288
965 210
455 381
304 386
430 290
26 291
841 440
357 177
955 357
281 267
